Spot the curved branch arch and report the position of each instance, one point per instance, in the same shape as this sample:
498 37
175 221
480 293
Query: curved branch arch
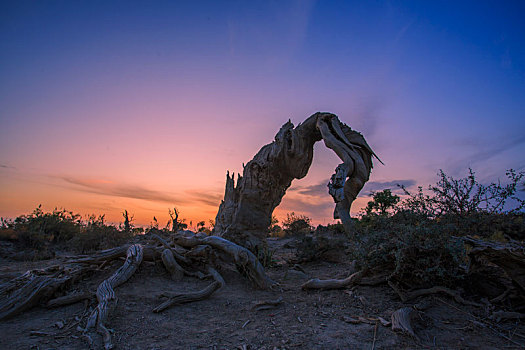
246 211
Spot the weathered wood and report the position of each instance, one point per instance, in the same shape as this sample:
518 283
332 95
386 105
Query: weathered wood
401 321
182 298
267 304
101 256
216 276
166 245
106 294
35 287
175 270
316 283
411 295
245 213
246 263
508 256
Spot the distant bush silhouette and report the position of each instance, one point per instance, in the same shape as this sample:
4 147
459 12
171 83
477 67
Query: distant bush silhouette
296 224
382 202
40 231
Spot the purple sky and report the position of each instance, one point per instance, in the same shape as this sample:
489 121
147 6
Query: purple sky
107 105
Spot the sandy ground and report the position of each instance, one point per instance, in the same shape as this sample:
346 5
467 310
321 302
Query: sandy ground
227 320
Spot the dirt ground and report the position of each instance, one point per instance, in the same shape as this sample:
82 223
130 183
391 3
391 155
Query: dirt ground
227 320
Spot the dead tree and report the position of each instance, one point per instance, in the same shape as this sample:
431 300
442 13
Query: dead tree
242 220
246 211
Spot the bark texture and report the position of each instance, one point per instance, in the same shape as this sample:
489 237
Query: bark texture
246 211
106 295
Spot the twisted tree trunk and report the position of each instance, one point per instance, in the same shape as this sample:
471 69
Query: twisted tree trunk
246 211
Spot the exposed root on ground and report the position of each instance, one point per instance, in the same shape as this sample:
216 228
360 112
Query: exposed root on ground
351 280
36 286
408 296
195 255
246 263
106 294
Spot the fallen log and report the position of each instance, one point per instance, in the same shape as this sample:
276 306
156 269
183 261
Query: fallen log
34 287
351 280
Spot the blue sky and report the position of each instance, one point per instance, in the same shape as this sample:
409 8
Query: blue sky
108 105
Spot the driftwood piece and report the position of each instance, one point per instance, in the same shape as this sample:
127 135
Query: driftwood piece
106 295
508 256
101 256
408 296
316 283
183 298
245 213
35 287
401 321
175 270
267 304
368 320
246 263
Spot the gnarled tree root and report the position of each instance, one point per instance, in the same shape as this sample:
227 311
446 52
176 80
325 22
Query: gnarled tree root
106 294
33 287
177 299
183 298
246 263
175 270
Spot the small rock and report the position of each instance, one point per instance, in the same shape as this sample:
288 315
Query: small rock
59 324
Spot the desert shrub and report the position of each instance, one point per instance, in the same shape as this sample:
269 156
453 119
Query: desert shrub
275 230
321 246
8 234
97 235
37 229
41 232
265 255
466 196
296 224
420 245
413 252
336 228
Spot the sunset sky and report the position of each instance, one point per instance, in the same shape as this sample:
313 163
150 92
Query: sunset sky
113 105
